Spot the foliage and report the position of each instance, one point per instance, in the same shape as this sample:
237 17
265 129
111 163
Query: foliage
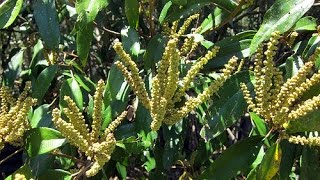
168 89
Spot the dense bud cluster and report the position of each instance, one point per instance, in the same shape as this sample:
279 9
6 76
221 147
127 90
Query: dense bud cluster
96 146
13 115
276 100
165 90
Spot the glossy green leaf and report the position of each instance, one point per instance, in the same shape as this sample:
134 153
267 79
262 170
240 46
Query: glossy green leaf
71 88
56 174
14 68
237 45
214 19
122 170
228 107
42 140
116 93
310 163
130 41
236 158
312 44
38 56
41 116
259 123
307 23
87 11
43 82
293 64
164 11
46 17
270 163
281 16
9 10
131 8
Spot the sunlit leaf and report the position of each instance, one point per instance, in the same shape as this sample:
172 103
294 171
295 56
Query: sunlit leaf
9 10
281 16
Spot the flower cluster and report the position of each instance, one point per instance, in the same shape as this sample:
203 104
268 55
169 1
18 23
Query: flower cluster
13 115
275 99
96 146
167 87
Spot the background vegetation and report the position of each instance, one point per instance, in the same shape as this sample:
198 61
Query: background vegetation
65 47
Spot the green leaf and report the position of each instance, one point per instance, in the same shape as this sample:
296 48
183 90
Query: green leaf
43 82
281 16
214 19
174 140
312 44
310 164
293 64
41 117
38 56
289 151
228 107
23 170
131 9
116 93
42 140
307 23
237 157
122 170
72 89
56 174
9 10
309 122
190 8
130 41
237 45
270 163
87 11
46 18
41 163
14 68
83 41
154 51
164 11
259 123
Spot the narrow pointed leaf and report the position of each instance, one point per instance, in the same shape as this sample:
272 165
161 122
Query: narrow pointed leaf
43 140
46 17
281 16
236 158
9 10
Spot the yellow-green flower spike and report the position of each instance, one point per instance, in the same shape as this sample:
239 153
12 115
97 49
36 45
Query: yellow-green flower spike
311 141
98 149
188 46
13 115
68 130
194 70
97 108
135 80
114 124
186 24
75 117
205 95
